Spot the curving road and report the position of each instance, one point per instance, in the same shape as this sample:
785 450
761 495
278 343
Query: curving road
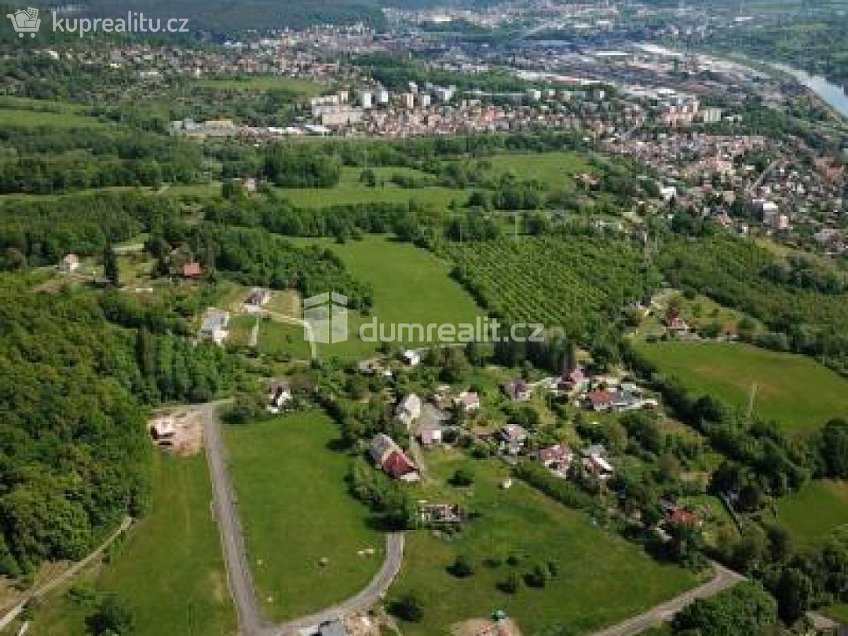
722 580
251 620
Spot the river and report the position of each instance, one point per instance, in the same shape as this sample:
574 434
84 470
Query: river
833 94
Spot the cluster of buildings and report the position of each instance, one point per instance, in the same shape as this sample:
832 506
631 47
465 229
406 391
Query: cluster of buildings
436 420
715 177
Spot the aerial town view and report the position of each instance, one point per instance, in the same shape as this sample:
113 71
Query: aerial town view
424 318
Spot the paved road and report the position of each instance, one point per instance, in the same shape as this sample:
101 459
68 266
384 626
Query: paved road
232 540
722 580
367 597
52 584
251 620
823 623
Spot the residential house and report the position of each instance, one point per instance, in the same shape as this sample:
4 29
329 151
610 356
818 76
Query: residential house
70 263
411 357
374 366
214 325
390 457
600 400
468 401
623 400
677 514
573 379
517 390
675 324
595 462
618 400
557 458
433 424
513 438
192 270
257 297
163 429
409 409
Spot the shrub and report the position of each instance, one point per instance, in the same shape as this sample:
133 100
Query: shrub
408 607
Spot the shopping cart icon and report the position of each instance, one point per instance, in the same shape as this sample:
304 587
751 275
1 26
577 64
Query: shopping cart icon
25 21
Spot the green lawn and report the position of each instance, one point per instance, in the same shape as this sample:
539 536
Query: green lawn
350 191
170 570
275 338
602 578
815 511
295 511
791 389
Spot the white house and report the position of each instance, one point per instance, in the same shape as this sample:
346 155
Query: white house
412 357
70 263
409 409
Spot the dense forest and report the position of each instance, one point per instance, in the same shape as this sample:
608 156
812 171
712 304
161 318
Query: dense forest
74 453
46 161
73 397
37 232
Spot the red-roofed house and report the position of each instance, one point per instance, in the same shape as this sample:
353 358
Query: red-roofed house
392 459
600 400
557 457
573 379
679 515
192 269
468 401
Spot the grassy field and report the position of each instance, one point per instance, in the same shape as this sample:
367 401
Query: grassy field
295 512
350 191
170 570
814 512
601 578
410 286
31 112
791 389
262 83
554 168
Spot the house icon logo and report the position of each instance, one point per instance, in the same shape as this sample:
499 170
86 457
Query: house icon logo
25 21
325 318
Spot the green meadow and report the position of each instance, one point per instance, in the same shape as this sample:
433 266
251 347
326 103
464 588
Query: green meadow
304 532
410 284
17 111
554 168
263 83
601 578
815 511
794 390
